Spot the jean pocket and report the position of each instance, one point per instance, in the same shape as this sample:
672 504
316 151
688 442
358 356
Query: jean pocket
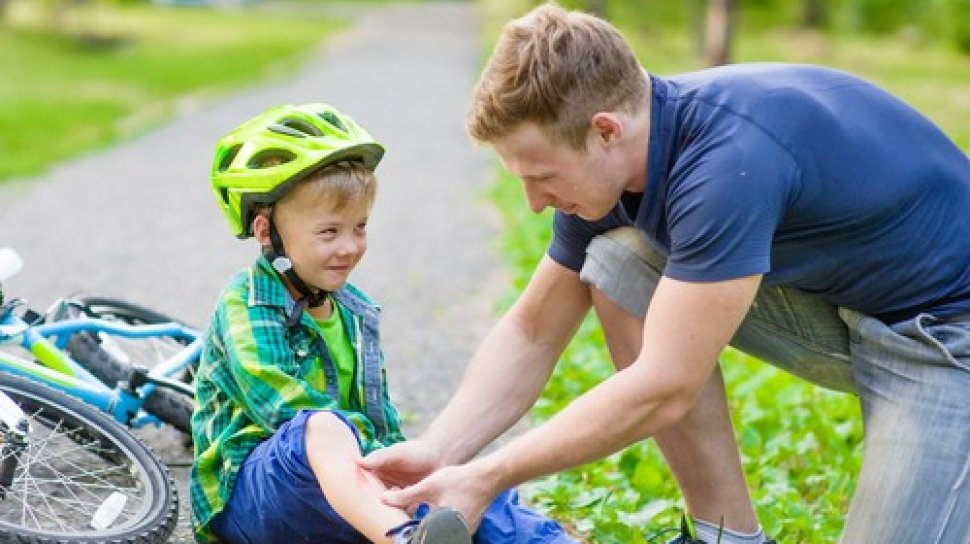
907 342
952 339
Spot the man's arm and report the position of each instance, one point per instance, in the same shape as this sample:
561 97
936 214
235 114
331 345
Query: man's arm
687 326
503 379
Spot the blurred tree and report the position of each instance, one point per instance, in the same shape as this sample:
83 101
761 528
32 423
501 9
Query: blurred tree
814 14
596 7
718 30
881 16
959 14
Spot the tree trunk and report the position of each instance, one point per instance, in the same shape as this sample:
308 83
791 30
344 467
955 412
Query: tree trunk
597 8
815 14
718 32
3 10
698 22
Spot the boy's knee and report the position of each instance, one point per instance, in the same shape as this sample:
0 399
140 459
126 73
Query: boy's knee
326 424
621 264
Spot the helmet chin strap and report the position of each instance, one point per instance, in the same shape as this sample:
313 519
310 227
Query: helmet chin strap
276 255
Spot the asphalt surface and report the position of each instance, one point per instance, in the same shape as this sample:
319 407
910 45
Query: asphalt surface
138 221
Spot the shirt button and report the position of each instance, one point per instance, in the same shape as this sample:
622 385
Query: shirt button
301 353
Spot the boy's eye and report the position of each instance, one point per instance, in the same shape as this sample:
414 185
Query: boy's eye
328 232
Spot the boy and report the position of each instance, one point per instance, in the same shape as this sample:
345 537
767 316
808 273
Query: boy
291 388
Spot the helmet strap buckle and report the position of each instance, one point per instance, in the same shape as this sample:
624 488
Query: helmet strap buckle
282 263
276 255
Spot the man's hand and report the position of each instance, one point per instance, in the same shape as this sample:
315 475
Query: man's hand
462 487
403 464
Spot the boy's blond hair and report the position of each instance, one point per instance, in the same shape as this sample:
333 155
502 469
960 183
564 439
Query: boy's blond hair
556 68
339 185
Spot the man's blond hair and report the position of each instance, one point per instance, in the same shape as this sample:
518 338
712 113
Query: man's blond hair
555 68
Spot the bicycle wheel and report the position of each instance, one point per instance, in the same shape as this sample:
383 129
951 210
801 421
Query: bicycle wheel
80 470
110 357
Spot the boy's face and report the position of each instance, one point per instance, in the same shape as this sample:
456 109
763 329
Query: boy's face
323 243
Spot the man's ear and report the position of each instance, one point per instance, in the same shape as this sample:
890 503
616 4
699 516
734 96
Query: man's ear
607 127
261 228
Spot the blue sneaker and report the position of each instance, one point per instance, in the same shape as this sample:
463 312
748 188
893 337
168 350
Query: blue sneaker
441 525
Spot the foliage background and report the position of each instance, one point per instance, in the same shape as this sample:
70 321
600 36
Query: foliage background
79 75
800 445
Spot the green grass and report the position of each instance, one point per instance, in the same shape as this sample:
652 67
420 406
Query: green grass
800 444
61 94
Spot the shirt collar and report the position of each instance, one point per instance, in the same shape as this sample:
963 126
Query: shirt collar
266 289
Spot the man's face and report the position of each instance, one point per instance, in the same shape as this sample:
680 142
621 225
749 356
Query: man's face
554 174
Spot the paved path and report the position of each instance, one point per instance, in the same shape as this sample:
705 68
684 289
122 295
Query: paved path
138 221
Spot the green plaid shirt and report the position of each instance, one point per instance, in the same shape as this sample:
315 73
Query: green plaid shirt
255 374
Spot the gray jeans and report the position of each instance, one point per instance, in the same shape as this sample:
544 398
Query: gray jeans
912 378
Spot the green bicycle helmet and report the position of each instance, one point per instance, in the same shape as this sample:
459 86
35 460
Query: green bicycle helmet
261 159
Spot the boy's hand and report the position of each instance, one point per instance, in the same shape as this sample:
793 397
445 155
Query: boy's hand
403 464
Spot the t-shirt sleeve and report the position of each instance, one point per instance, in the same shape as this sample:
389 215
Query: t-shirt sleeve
723 205
572 234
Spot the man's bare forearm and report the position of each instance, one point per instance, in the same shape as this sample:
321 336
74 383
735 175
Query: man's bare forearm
513 364
503 380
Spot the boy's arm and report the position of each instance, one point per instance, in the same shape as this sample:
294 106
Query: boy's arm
262 375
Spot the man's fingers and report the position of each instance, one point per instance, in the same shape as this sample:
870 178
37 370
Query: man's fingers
381 460
403 498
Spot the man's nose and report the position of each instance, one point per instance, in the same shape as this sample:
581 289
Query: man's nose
538 199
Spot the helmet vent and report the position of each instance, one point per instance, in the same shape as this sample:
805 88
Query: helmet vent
269 158
301 126
228 157
331 118
287 131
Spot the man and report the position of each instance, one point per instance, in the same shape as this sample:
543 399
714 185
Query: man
800 213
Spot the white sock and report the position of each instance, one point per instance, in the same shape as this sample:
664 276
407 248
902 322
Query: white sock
708 532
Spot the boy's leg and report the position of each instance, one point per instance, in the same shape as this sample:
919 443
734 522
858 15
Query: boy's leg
304 485
914 382
277 498
332 451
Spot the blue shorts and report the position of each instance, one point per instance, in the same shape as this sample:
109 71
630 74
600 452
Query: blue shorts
276 498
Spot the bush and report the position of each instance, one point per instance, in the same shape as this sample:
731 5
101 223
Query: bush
959 14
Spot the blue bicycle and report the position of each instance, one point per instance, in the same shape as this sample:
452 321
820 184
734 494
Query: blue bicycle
70 469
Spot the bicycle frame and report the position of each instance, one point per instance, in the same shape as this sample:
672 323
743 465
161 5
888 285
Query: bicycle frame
46 342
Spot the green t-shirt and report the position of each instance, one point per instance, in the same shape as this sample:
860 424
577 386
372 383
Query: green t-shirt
338 342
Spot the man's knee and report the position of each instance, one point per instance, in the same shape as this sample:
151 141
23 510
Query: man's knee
621 264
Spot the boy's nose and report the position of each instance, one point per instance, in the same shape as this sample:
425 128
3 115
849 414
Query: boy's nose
349 247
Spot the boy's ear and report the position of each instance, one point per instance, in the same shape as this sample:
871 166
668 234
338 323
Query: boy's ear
261 229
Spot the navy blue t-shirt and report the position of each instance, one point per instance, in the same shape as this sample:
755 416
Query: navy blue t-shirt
810 176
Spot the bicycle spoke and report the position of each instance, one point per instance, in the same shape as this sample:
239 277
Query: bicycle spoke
55 482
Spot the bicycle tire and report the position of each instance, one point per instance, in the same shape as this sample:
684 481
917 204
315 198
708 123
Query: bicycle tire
76 452
88 349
